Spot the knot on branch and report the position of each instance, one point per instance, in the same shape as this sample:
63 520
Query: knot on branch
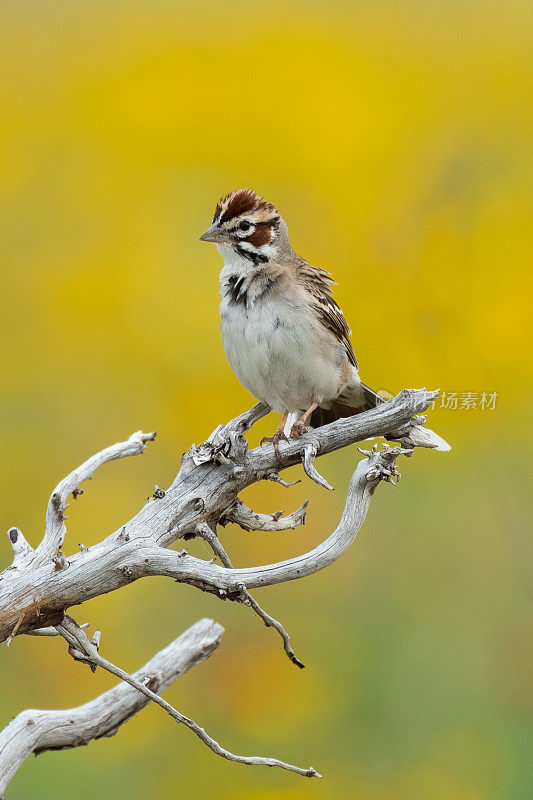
382 464
60 560
55 503
222 447
227 442
22 550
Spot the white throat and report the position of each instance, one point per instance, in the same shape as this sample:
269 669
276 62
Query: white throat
232 259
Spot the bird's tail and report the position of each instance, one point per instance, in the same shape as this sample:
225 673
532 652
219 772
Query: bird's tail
358 398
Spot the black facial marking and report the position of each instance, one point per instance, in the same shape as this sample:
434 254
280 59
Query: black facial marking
255 258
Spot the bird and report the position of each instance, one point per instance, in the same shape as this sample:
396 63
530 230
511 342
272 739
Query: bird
283 332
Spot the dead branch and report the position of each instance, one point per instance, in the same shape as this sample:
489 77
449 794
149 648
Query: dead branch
252 521
81 649
41 584
34 731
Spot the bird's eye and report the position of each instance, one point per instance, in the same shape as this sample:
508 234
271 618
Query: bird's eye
244 225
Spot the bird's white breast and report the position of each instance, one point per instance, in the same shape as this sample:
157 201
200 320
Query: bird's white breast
277 347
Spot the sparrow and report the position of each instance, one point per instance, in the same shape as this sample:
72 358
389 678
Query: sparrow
283 333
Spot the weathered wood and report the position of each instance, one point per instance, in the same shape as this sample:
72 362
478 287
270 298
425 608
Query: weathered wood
34 731
41 584
37 592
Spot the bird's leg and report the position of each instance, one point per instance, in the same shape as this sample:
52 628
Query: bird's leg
299 426
279 436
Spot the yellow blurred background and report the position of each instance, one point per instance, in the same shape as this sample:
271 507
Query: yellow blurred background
394 137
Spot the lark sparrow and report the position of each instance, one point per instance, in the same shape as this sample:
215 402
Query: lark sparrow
283 333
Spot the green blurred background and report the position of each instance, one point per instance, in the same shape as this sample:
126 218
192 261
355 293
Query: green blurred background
393 137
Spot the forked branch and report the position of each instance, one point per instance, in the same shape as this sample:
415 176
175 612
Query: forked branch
41 584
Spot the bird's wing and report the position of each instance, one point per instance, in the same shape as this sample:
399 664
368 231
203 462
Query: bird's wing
318 283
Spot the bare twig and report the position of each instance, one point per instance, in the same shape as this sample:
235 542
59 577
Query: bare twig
53 631
273 475
252 521
82 649
270 622
55 515
244 596
15 629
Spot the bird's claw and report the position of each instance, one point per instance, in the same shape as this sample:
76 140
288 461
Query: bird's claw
278 437
298 429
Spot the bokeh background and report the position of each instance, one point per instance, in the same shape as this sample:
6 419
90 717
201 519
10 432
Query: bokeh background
393 137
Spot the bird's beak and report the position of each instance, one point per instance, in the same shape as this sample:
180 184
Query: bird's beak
213 234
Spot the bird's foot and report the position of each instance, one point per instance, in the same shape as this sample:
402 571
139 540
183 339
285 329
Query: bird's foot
298 429
278 437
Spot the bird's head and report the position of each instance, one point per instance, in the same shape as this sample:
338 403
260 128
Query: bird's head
247 226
